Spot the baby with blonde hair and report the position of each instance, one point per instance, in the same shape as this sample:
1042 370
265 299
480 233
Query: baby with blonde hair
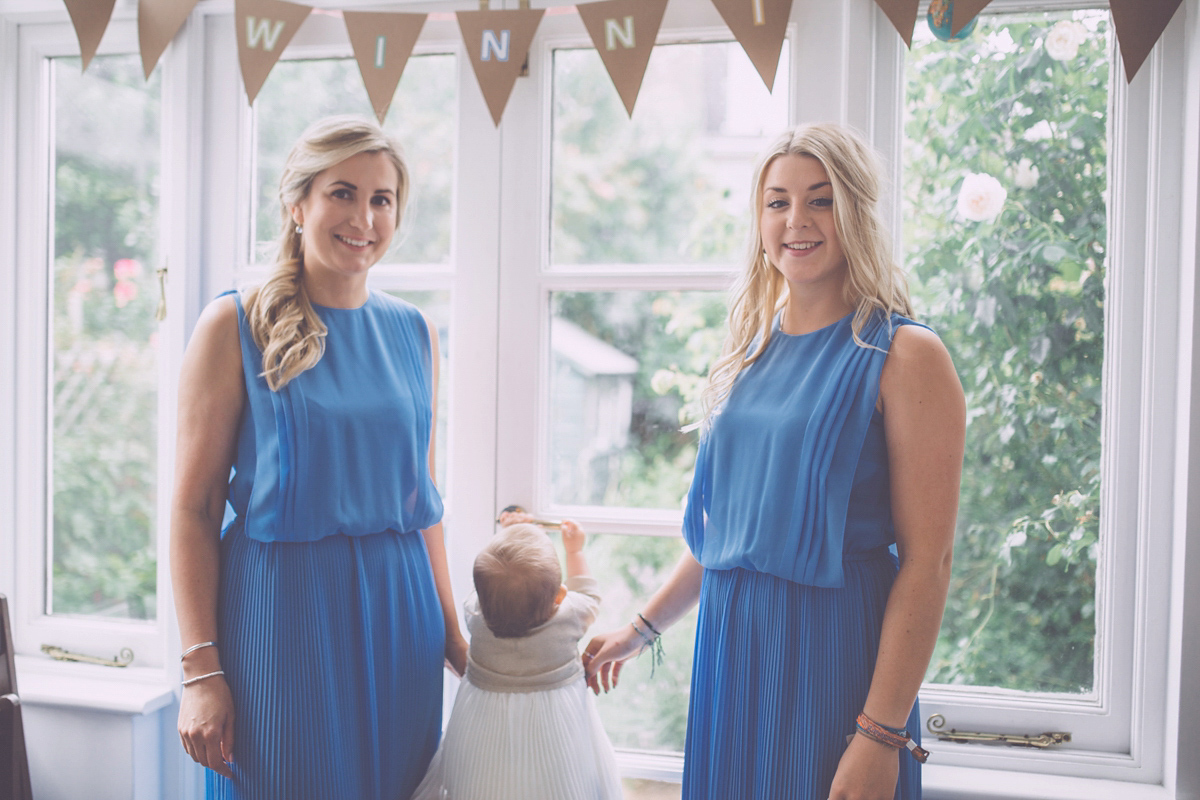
524 725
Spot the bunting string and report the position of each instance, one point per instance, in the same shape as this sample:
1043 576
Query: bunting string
497 42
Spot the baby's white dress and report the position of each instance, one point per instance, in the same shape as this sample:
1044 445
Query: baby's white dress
524 724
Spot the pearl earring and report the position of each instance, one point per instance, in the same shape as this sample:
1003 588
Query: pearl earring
299 229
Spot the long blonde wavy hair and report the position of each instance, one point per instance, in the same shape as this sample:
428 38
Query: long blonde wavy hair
874 281
281 317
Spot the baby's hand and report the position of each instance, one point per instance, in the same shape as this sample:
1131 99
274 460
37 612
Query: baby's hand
573 536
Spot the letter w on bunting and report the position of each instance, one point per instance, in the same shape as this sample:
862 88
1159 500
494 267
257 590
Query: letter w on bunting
382 43
497 43
264 28
759 26
624 32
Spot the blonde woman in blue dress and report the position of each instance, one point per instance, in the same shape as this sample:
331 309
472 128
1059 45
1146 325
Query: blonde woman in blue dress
316 623
834 428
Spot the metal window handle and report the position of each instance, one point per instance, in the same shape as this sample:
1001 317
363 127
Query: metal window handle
936 724
124 659
545 523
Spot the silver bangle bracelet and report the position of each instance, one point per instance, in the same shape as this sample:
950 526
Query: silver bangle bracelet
190 681
196 647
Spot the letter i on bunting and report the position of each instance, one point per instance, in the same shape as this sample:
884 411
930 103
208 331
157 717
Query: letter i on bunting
624 32
382 43
158 22
264 28
90 18
759 26
497 43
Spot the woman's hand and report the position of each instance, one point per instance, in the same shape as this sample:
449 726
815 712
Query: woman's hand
456 655
607 653
206 724
868 771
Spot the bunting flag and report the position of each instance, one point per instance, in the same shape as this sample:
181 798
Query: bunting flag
264 28
497 43
1139 24
90 18
624 32
963 12
382 43
903 14
158 22
759 26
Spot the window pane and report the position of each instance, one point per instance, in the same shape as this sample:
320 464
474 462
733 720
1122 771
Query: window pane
436 307
645 713
1005 231
104 338
422 118
626 372
670 186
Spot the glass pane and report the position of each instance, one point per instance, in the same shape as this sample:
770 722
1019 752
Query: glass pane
436 307
672 185
626 372
422 117
638 789
1005 231
104 338
644 712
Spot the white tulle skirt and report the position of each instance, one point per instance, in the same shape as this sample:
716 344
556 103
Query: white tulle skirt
546 745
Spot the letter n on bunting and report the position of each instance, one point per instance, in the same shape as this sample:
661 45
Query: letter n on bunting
497 43
624 32
264 28
158 22
759 26
382 43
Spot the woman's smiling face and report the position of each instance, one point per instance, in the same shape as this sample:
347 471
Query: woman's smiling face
797 226
349 215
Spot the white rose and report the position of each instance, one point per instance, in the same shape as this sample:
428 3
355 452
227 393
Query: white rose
663 381
981 197
1026 174
1063 40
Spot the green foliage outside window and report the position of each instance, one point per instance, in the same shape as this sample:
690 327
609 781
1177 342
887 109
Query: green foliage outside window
105 379
1018 298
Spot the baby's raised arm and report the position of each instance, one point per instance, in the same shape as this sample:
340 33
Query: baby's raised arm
573 539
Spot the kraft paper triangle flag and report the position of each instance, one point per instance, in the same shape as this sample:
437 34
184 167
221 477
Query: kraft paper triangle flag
964 11
264 28
497 43
1139 24
90 18
624 32
382 43
759 26
903 14
158 22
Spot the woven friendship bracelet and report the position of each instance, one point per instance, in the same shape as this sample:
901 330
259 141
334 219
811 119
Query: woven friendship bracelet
892 737
646 622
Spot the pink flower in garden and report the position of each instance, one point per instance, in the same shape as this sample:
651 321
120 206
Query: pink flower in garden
82 286
127 268
123 292
981 197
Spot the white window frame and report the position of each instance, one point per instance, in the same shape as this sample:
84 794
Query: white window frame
1119 737
32 627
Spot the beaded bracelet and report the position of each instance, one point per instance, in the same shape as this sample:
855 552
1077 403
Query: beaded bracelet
190 681
892 737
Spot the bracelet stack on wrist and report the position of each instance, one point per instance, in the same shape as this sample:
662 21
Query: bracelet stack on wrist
198 678
651 638
892 737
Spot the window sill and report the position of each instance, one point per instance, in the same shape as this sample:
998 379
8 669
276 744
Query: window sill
943 782
130 690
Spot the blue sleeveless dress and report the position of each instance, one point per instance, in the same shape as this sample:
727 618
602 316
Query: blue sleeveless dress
790 514
330 628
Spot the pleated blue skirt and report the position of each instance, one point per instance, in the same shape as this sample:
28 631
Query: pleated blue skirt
333 650
780 674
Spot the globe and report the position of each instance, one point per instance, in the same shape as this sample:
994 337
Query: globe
941 12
